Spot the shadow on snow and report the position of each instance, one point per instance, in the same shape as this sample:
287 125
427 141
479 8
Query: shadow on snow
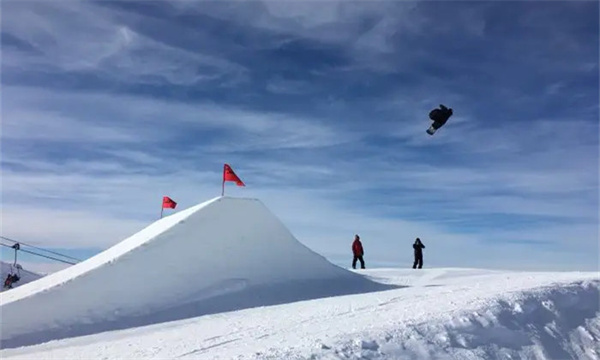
235 294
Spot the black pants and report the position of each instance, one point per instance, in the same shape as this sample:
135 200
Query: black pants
437 124
419 261
359 258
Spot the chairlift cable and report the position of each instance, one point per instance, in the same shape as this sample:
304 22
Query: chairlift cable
42 255
38 248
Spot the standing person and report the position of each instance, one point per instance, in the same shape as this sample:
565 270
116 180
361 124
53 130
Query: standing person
357 250
418 246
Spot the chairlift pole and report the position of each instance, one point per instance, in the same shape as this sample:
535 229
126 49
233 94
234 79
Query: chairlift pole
16 247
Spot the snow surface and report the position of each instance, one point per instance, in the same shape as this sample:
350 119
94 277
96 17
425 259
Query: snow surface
432 314
223 254
25 275
226 280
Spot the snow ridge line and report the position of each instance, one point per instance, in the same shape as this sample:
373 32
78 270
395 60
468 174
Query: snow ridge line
553 322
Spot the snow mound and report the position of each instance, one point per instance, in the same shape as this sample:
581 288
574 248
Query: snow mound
444 314
553 322
25 275
221 255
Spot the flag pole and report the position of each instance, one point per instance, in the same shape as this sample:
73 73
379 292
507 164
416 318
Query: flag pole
223 183
162 207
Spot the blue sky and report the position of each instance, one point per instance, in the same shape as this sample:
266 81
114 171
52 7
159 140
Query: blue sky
321 108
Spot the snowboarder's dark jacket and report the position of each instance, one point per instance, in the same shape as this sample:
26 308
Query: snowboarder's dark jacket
418 246
440 115
11 279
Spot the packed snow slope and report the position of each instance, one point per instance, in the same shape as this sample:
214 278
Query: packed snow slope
461 314
25 275
221 255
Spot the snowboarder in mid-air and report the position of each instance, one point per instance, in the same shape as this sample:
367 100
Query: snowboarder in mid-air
439 117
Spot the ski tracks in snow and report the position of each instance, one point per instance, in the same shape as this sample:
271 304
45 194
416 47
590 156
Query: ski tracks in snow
482 316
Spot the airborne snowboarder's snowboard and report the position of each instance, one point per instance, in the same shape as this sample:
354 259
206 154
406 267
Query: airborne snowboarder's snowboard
434 127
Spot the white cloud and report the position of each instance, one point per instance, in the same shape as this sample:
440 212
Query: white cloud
92 36
280 85
53 227
99 41
144 60
34 125
550 182
120 202
81 161
365 29
68 116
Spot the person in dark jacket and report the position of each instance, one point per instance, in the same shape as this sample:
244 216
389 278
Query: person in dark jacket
358 252
439 117
418 247
10 280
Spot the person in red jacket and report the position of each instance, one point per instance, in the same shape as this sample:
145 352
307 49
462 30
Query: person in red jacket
357 250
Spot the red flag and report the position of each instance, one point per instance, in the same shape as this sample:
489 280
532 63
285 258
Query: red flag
168 203
229 175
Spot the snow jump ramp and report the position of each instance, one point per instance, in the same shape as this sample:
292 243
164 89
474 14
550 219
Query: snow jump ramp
221 255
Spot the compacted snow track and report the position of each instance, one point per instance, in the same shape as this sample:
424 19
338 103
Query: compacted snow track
433 314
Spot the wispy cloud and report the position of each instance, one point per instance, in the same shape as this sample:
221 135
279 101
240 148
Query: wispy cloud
100 43
67 228
108 106
124 120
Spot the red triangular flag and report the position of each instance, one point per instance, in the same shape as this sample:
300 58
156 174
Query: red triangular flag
229 175
168 203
